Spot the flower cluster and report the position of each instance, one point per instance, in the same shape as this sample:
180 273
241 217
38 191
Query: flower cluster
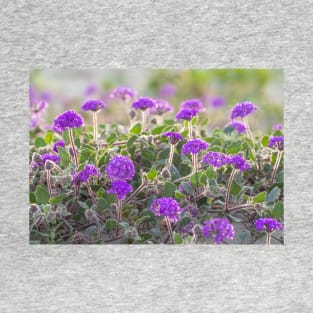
166 207
186 114
143 103
194 146
216 159
277 127
268 224
68 119
276 142
173 137
84 175
217 102
161 107
50 157
123 93
238 162
93 105
120 189
57 144
120 167
242 109
238 126
167 90
192 104
220 228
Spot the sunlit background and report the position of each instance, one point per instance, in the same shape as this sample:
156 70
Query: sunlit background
219 90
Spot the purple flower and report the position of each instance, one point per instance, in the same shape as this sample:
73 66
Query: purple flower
59 143
238 126
193 104
186 114
120 167
173 137
194 146
191 210
216 159
166 207
276 142
217 102
268 224
277 127
120 189
242 109
161 107
220 228
84 175
93 105
143 103
50 157
90 90
123 93
68 119
238 162
34 120
188 229
167 91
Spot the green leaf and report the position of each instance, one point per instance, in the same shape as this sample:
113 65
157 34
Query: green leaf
40 142
265 141
147 154
179 195
57 199
188 188
235 188
196 179
65 157
42 195
211 172
131 141
169 189
152 174
260 197
158 130
278 210
233 148
102 204
273 195
49 137
110 224
178 239
136 129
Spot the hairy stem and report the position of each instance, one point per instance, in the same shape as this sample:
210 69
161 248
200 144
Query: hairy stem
190 129
248 129
73 147
230 181
119 215
170 159
91 194
194 159
139 189
95 128
276 166
268 238
49 183
169 227
144 120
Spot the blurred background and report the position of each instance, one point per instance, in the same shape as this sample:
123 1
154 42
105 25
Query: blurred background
219 90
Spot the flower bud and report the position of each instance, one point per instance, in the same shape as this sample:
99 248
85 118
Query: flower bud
132 114
37 158
49 165
154 121
166 173
34 209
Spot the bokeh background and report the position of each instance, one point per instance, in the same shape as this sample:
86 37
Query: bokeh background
219 90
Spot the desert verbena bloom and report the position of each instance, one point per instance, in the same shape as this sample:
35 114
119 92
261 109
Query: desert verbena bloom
195 104
219 228
93 105
243 109
57 144
217 102
194 146
238 126
120 167
186 114
277 127
84 175
68 119
276 142
120 189
143 104
173 137
167 207
50 157
161 107
238 162
268 224
216 159
123 93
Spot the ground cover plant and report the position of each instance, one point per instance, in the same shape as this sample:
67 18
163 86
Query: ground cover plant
165 176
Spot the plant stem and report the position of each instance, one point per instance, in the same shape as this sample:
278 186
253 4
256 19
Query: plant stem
170 159
248 129
95 127
190 129
276 166
268 238
119 215
194 158
144 120
73 146
140 188
169 227
49 183
91 194
230 181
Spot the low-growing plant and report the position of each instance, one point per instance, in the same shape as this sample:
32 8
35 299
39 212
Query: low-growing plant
167 181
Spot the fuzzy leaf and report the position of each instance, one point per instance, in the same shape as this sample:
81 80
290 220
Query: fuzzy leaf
260 197
273 195
169 189
42 195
